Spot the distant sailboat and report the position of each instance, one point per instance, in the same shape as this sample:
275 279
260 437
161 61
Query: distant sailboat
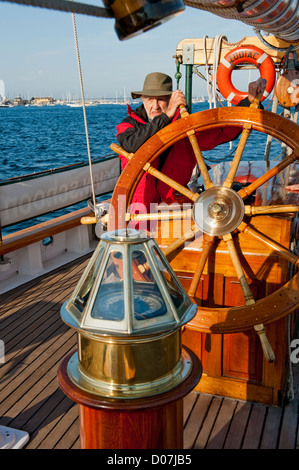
122 100
2 91
200 99
3 100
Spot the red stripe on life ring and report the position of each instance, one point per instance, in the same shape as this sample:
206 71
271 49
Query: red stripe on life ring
241 55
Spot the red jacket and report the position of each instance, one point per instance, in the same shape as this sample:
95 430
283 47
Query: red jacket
177 162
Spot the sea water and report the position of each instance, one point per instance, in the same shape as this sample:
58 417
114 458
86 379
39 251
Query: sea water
34 139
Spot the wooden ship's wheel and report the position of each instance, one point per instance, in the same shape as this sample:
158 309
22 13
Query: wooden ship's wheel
227 216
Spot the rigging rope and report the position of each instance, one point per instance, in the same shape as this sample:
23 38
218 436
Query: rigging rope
275 48
67 6
269 137
207 73
256 13
216 59
290 378
212 82
84 111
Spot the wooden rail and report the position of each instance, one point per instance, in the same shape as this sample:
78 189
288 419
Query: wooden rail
36 233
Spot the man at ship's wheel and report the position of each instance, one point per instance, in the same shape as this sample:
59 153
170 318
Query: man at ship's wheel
161 106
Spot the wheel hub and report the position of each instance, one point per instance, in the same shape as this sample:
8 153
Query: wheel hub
218 211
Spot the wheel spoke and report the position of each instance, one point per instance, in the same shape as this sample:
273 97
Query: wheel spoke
170 182
249 300
180 241
241 146
160 216
239 270
197 152
279 209
208 242
246 191
157 174
238 155
200 160
279 249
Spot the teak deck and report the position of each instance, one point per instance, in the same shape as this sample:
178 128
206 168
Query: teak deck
36 341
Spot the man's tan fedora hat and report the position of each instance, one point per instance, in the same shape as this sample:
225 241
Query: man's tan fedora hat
155 84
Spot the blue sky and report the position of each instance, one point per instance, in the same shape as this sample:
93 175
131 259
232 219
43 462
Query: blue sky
38 52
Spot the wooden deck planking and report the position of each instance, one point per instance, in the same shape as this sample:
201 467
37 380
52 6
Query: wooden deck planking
220 429
254 427
208 423
236 432
36 340
289 428
196 419
272 427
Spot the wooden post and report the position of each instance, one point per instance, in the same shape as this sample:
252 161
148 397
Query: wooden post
152 422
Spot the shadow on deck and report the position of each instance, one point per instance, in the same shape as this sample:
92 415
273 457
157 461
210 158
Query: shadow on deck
36 341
